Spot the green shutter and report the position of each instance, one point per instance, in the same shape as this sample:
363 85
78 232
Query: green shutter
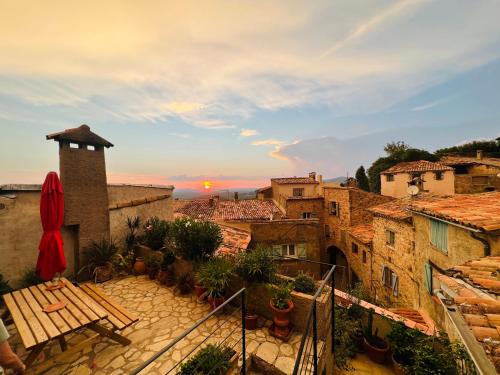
301 250
277 250
428 277
439 235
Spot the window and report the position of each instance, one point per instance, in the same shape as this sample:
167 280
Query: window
461 169
439 235
334 208
428 277
390 280
306 215
354 248
438 176
74 145
390 238
364 256
389 177
327 231
290 250
298 192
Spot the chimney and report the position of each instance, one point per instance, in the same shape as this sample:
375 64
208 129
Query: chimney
320 178
235 195
479 154
312 176
213 200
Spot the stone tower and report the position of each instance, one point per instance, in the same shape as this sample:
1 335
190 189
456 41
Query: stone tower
82 171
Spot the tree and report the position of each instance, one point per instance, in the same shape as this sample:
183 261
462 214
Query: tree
490 148
396 153
361 179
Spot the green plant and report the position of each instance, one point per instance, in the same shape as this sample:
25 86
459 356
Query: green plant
132 238
403 340
213 360
256 266
215 275
281 294
304 283
153 261
124 262
155 233
99 254
184 282
362 179
4 288
167 260
30 278
195 240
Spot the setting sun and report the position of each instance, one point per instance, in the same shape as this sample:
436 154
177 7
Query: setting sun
207 185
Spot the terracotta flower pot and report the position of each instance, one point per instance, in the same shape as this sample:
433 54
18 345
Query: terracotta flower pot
282 319
215 301
398 367
251 321
152 273
139 266
377 349
103 273
199 289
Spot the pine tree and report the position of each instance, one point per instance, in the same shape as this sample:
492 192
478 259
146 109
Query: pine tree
362 179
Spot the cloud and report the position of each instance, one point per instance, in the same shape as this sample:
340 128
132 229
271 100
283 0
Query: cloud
183 107
277 145
248 132
268 142
430 105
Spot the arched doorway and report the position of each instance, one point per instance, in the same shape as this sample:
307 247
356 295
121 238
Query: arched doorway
337 257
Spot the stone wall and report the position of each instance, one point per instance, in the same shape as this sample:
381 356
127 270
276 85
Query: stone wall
478 179
398 187
20 234
358 267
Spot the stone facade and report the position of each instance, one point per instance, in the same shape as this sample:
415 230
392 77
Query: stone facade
397 187
477 179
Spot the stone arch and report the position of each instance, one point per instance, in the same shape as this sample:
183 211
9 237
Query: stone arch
338 257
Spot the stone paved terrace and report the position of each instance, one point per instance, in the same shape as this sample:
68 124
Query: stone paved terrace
163 317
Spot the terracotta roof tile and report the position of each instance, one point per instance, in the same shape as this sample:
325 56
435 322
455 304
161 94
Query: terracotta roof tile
479 211
417 166
239 210
363 233
235 240
458 160
81 134
295 180
396 209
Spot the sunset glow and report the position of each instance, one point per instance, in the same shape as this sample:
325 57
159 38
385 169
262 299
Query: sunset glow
207 185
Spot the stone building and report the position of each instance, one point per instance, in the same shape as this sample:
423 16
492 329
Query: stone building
474 175
429 177
93 208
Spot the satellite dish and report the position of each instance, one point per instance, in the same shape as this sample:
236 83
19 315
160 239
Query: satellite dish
412 190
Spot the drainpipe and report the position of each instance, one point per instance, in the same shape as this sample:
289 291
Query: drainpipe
486 244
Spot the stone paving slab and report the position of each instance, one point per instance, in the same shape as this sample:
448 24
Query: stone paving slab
163 316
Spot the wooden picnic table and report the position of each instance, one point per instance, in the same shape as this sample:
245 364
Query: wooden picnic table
85 307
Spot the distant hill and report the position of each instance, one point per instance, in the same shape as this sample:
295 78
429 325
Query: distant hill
243 193
335 179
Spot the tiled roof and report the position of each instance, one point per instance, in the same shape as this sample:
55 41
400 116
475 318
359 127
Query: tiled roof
81 134
396 209
416 319
363 233
478 307
457 160
261 190
294 180
235 240
237 210
417 166
478 211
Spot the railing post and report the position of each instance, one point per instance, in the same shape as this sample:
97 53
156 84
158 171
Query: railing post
315 340
243 333
333 311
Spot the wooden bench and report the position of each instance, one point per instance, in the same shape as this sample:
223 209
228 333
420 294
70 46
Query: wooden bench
119 317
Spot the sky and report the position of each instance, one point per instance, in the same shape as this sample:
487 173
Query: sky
236 92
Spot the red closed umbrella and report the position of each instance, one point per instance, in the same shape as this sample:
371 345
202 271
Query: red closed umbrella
51 258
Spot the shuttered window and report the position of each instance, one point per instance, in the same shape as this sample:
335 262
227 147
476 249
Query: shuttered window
439 235
428 277
290 250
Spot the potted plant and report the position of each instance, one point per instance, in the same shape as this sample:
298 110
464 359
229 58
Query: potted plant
153 263
99 257
403 341
166 274
184 283
304 283
254 267
376 348
132 237
215 275
123 263
281 303
212 359
155 233
139 266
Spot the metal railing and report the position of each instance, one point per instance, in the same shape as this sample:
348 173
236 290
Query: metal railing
242 308
319 328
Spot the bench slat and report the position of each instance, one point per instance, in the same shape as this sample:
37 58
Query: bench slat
114 316
117 306
27 337
56 318
42 317
85 299
64 313
30 318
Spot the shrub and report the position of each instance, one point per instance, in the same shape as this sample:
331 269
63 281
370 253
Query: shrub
215 275
195 240
214 360
99 254
256 265
167 260
304 283
153 261
184 283
403 340
132 237
155 232
30 278
124 262
4 288
281 294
